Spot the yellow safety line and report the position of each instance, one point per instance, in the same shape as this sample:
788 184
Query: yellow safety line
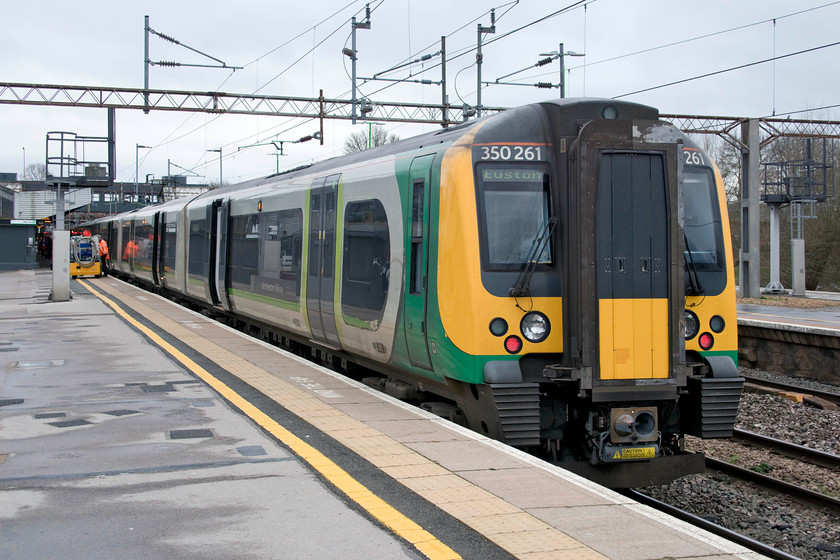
401 525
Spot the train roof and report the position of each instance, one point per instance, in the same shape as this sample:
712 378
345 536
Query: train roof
566 116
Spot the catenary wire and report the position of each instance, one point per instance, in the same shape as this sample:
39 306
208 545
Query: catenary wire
739 67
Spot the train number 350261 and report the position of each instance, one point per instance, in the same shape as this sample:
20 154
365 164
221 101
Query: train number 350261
512 153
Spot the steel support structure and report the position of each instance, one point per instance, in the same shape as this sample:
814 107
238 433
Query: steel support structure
219 103
754 135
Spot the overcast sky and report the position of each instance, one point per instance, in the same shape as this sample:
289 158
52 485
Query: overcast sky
629 46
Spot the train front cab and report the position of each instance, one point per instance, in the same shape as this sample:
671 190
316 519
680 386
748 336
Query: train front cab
581 235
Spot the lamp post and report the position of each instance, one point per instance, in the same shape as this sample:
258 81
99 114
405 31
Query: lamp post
220 164
561 54
137 169
23 177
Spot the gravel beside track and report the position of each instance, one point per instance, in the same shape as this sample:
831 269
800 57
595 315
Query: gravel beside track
773 519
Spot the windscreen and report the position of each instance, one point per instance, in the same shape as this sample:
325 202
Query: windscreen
704 249
514 201
703 229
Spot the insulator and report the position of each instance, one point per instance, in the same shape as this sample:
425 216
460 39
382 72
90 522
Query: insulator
543 62
425 57
168 63
168 38
544 85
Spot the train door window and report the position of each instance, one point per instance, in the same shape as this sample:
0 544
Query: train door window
329 198
417 235
366 268
244 245
270 247
169 240
290 239
199 248
280 244
514 204
143 240
127 241
315 233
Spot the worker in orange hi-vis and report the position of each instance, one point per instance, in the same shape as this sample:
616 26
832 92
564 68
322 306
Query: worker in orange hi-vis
104 257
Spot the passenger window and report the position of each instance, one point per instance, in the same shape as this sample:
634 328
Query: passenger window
265 254
366 263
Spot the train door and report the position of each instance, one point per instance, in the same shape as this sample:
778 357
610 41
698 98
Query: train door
632 235
414 317
129 245
320 280
156 246
164 248
219 211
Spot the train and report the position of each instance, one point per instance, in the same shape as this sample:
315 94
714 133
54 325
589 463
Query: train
556 276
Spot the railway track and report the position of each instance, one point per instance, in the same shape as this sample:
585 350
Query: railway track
831 397
799 493
776 518
788 449
734 536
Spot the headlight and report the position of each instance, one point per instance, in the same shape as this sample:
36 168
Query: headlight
535 327
692 324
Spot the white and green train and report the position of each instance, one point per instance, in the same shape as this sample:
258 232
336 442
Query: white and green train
557 276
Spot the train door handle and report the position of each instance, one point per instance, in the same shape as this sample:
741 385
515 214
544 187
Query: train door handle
645 265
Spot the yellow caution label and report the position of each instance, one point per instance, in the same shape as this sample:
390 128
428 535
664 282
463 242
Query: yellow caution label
635 453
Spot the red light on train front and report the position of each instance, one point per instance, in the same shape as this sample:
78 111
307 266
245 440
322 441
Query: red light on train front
513 344
706 341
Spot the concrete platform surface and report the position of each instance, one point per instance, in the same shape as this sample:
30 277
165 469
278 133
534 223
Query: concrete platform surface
131 427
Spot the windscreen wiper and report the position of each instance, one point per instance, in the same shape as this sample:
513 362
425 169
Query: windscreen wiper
521 286
694 286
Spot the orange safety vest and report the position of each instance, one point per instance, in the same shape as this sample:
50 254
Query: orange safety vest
103 248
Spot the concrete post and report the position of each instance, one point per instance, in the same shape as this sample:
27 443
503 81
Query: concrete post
750 269
797 254
775 286
61 265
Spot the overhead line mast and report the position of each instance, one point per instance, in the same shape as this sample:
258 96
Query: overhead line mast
479 57
148 62
354 25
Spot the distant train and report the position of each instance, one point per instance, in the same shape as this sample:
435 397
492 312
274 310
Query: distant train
556 276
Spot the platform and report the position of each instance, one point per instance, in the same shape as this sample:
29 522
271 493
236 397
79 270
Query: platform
131 427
